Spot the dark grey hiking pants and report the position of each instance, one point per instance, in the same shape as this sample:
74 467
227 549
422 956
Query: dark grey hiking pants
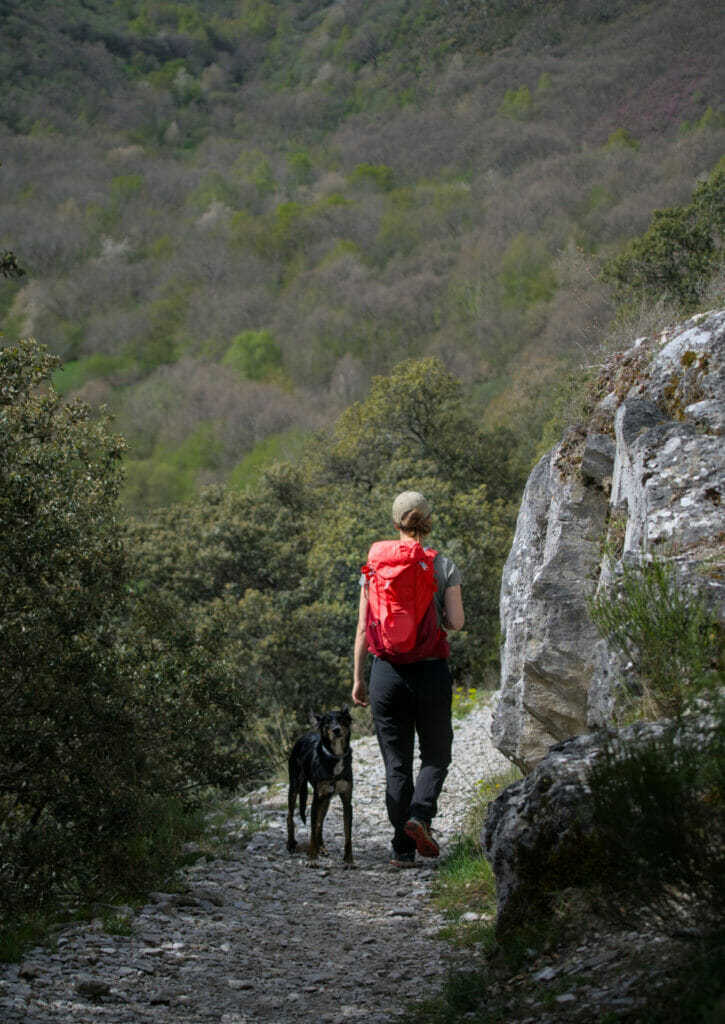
406 699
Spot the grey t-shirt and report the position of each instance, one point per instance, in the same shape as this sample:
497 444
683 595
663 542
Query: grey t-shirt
447 575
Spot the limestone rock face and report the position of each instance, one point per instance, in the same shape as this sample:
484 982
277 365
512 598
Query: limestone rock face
549 638
654 458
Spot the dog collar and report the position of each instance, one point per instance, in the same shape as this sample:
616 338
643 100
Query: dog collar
335 757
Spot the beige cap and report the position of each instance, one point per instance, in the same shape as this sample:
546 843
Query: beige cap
407 502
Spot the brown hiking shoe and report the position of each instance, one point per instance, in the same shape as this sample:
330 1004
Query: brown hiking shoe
424 841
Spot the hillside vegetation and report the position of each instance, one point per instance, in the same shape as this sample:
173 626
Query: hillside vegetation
317 254
233 214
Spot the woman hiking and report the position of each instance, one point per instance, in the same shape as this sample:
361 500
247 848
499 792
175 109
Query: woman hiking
410 684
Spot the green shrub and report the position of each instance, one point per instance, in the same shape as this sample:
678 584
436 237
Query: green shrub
679 253
9 266
117 707
125 187
275 448
73 374
154 483
69 758
215 188
659 810
665 629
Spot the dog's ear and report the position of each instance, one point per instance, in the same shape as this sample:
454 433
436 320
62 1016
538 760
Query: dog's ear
345 712
315 719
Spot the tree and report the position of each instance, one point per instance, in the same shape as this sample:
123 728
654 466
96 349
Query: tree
678 253
116 706
67 761
284 559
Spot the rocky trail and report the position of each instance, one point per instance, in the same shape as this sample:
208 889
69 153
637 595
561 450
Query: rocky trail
257 935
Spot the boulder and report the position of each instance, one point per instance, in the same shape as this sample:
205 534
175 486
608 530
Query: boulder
598 457
654 461
540 834
548 635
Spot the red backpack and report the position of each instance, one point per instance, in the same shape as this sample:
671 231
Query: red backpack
402 624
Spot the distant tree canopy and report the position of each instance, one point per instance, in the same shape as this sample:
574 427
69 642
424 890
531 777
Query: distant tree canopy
256 207
678 254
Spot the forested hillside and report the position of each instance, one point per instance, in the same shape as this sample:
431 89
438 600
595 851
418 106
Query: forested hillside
231 215
354 245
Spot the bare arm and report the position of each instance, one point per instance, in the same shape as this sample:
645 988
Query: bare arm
361 650
453 617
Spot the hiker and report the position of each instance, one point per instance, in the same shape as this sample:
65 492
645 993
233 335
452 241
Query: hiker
410 683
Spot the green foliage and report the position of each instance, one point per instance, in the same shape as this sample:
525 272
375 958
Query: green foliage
302 170
665 629
249 552
125 187
72 375
174 76
622 138
465 880
66 776
526 273
155 482
215 188
282 233
9 266
275 448
117 708
517 103
659 810
464 701
680 251
377 177
255 355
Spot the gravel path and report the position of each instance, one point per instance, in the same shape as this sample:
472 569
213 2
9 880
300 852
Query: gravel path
259 936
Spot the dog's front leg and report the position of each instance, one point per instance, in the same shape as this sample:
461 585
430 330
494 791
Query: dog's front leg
320 804
346 797
291 801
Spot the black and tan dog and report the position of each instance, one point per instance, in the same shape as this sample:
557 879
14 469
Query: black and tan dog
324 759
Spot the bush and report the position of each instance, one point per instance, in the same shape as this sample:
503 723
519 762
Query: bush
679 253
69 757
665 630
659 810
117 707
